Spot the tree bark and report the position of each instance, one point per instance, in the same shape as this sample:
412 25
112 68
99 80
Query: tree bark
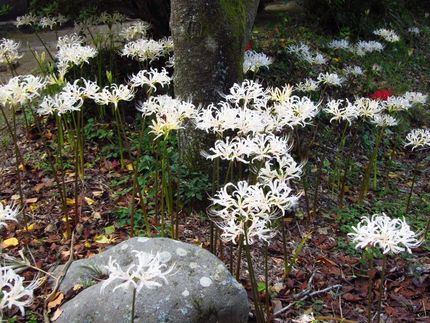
209 39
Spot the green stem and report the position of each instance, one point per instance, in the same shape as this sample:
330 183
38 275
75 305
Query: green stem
133 305
258 313
411 191
373 157
370 289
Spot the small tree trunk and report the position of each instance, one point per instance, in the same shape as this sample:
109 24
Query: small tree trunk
209 39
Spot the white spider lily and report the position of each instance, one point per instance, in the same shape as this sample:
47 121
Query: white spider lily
135 30
281 95
362 48
26 20
387 34
146 271
283 169
143 50
71 52
303 52
8 213
415 97
353 70
339 44
341 112
368 108
235 149
48 22
150 78
384 120
396 104
13 292
332 79
308 85
390 235
253 61
21 90
248 93
417 138
9 51
114 94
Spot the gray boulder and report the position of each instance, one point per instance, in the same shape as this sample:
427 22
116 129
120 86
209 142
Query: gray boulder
199 289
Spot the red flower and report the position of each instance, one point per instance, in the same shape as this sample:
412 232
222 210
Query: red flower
382 95
248 45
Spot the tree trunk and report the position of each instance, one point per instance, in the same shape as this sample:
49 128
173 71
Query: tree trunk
209 39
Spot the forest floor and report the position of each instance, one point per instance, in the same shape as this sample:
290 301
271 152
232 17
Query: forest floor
327 258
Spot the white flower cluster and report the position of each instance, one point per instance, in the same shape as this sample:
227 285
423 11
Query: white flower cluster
146 272
388 35
144 49
308 85
9 51
13 292
414 30
303 52
150 78
353 70
43 22
253 61
72 52
135 30
418 138
114 94
110 18
361 48
249 108
255 115
339 44
236 208
69 99
348 113
390 235
170 114
21 90
8 213
332 79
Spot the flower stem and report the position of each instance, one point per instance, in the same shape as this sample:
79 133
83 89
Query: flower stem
133 305
370 288
381 288
411 191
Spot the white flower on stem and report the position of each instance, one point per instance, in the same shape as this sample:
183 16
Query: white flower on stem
48 22
418 138
390 235
384 120
414 30
362 48
21 90
147 271
168 45
248 93
9 51
281 95
303 52
368 108
8 213
387 34
397 103
341 112
235 149
415 97
303 110
332 79
308 85
135 30
262 146
26 20
284 168
90 89
143 50
71 52
13 292
150 78
353 70
114 94
60 103
253 61
339 44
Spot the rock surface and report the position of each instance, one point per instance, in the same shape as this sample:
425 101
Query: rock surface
199 289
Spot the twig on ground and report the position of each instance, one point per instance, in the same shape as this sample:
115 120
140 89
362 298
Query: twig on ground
308 294
58 281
